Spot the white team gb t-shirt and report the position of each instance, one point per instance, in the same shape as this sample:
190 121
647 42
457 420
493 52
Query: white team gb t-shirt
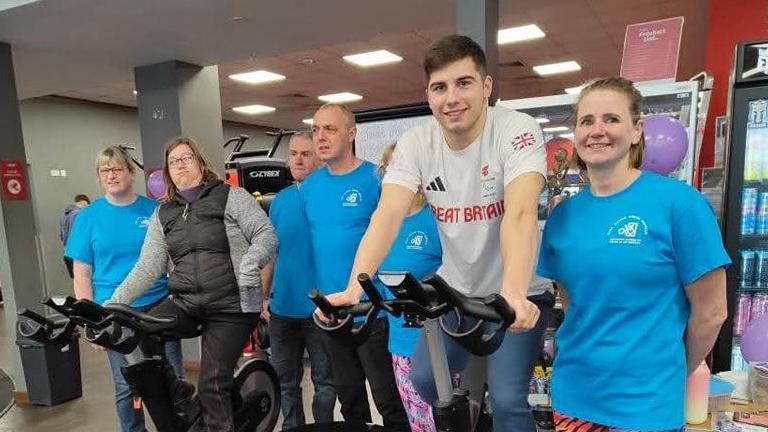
465 190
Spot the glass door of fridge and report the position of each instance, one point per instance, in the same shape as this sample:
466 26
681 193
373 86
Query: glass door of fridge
751 292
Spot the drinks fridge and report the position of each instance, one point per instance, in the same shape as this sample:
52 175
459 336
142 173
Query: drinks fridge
745 223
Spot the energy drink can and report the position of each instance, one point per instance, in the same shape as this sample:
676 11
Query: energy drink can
761 268
761 219
747 273
758 307
748 210
743 311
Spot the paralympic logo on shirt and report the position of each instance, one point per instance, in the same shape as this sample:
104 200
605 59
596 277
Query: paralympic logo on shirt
628 230
142 222
416 240
351 198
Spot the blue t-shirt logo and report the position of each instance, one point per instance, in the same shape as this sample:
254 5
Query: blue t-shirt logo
351 198
628 230
416 240
142 222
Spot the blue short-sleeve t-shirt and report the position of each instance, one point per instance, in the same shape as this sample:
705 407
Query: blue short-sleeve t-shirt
416 250
294 274
338 209
108 238
623 261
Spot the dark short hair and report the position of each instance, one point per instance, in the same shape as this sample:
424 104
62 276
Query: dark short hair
451 49
82 197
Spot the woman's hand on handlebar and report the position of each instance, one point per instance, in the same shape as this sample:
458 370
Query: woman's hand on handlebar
526 313
343 298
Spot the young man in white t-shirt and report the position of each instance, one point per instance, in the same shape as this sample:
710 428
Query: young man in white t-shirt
482 170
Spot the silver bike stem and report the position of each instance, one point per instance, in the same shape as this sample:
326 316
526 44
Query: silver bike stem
438 360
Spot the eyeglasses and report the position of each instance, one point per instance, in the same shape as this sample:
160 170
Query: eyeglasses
186 159
105 172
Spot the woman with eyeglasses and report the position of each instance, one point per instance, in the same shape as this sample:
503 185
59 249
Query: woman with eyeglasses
104 245
218 239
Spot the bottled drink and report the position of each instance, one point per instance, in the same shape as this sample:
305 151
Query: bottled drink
697 395
737 360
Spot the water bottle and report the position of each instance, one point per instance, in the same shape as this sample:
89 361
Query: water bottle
697 395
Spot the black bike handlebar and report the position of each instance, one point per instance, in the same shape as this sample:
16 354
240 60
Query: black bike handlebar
341 319
104 325
419 301
139 317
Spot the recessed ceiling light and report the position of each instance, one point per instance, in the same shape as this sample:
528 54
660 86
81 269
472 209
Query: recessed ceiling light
340 97
556 68
575 90
253 109
541 119
566 135
555 129
373 58
308 121
257 77
519 34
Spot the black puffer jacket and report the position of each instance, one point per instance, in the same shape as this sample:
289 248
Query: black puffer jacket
199 248
218 245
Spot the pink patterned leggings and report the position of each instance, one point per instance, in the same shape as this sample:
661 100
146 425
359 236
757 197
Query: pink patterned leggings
419 412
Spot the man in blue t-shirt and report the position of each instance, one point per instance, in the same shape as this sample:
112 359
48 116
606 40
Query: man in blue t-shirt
287 282
339 199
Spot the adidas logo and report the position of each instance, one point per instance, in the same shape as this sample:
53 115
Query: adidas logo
436 185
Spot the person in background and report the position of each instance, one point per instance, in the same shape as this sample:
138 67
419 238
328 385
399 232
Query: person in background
639 259
65 225
104 245
287 281
339 199
218 239
415 250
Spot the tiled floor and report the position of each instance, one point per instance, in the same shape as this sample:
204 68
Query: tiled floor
94 412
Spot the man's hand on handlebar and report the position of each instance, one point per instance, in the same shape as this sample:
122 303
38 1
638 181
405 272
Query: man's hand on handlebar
343 298
526 313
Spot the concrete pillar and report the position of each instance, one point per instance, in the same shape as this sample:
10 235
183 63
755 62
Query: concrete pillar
479 19
20 274
179 99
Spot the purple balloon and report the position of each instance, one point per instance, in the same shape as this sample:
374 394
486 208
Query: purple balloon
156 184
666 144
754 340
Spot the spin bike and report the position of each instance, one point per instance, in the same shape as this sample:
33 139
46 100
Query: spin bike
479 328
171 402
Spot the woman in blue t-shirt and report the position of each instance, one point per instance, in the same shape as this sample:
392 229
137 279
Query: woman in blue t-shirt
104 245
640 260
416 250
